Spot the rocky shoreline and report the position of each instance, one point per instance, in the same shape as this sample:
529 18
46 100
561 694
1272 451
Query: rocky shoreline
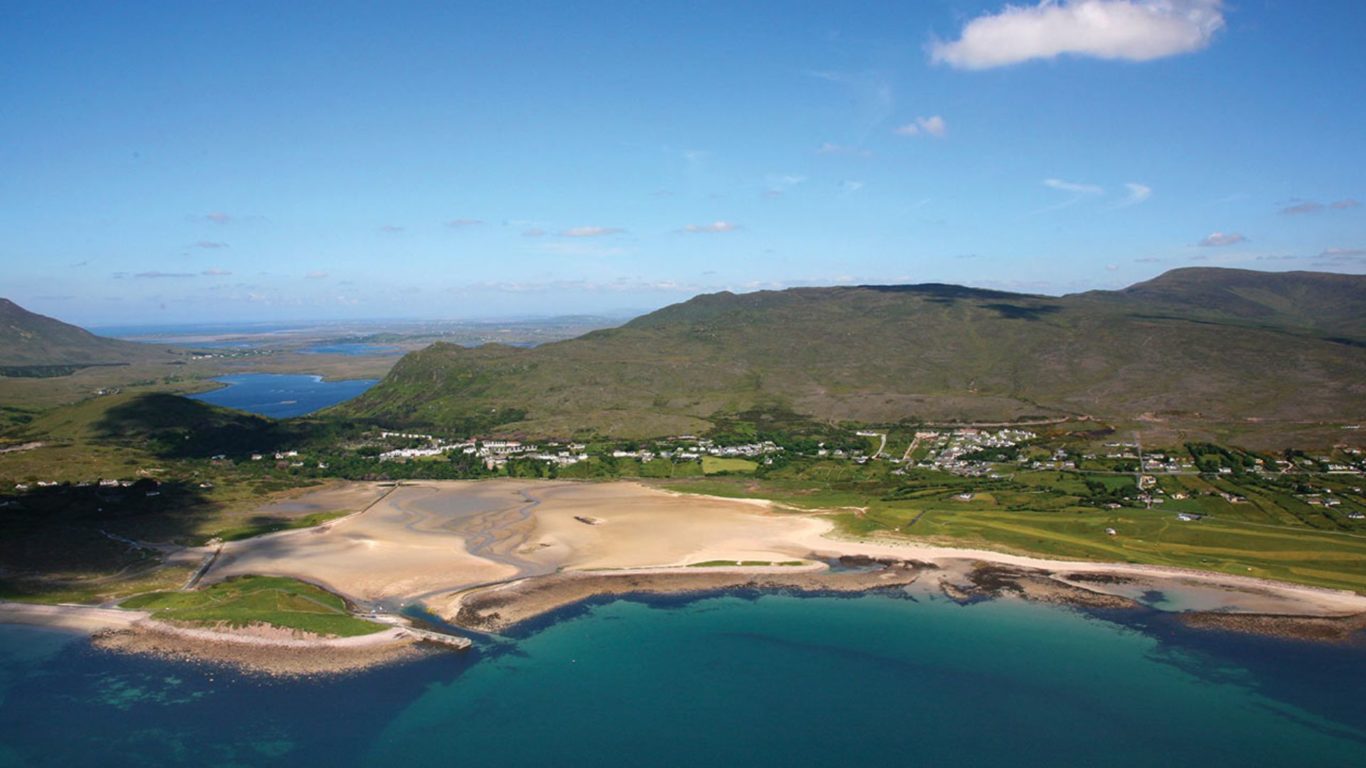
503 607
263 650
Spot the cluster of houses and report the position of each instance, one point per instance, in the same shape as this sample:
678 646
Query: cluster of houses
947 450
495 453
147 486
691 448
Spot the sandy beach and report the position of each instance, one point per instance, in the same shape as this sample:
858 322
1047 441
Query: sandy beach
86 619
435 538
460 548
490 555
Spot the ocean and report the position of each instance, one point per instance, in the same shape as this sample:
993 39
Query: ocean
739 680
282 395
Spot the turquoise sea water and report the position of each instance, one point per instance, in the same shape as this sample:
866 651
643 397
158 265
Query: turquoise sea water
772 681
282 395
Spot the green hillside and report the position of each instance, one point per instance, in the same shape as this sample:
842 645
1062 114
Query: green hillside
1316 303
1206 344
36 345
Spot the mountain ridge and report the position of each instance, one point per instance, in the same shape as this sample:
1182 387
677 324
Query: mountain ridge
930 352
31 340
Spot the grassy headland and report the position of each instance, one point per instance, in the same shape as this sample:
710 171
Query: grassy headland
240 602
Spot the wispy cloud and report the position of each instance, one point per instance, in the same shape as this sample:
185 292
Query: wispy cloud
162 275
533 232
464 223
777 185
591 231
934 125
1076 188
1343 254
1134 30
830 148
1220 239
1313 206
1076 191
316 275
391 229
215 272
1138 193
1297 209
218 217
210 245
850 186
714 227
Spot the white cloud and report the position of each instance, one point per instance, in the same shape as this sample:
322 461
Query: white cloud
1075 188
1219 239
1077 192
210 245
591 231
1301 208
933 125
1138 193
1135 30
715 226
849 187
316 275
533 232
464 223
1313 206
215 272
830 148
779 184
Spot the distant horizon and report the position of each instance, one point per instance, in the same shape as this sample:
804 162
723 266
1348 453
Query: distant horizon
625 314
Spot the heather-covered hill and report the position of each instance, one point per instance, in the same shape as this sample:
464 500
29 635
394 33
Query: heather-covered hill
32 341
1209 344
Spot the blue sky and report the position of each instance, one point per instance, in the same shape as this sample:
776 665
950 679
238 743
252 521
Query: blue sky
271 161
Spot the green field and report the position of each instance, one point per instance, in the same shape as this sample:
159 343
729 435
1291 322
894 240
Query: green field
1274 534
280 602
714 465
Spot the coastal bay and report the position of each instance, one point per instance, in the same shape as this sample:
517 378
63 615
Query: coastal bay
495 556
